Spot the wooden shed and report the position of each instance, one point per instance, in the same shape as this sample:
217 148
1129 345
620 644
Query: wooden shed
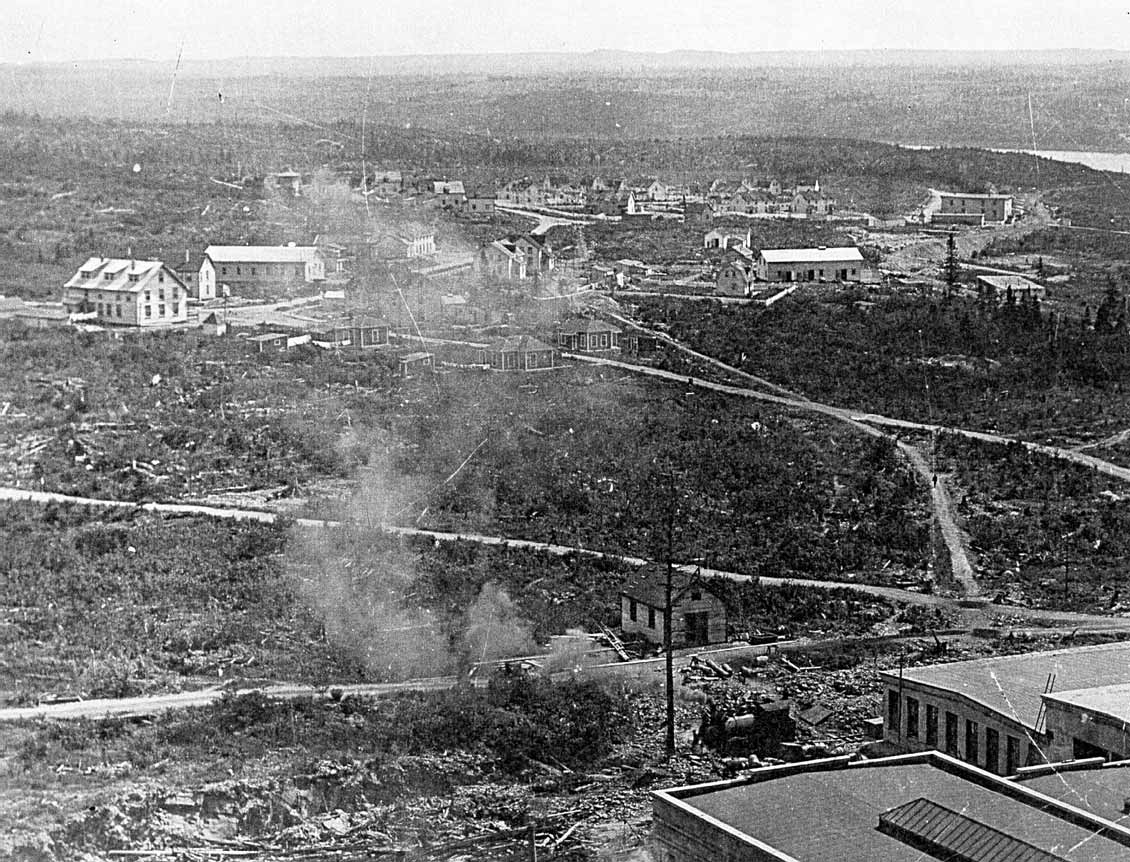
698 614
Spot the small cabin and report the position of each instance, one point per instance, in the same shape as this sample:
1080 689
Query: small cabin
698 614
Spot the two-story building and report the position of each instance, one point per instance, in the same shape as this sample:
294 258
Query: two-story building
124 292
992 207
1012 711
268 269
450 193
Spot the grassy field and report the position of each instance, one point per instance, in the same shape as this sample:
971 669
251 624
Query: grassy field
1046 532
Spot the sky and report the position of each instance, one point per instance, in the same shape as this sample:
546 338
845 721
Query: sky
59 30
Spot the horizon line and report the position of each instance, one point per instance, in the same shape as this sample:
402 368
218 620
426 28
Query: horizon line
561 54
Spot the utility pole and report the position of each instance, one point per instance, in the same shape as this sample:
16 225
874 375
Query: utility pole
670 659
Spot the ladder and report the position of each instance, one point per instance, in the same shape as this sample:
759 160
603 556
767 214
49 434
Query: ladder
614 642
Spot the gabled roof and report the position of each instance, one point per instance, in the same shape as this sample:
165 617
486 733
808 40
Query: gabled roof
518 344
811 255
586 324
506 248
261 253
448 187
128 276
649 585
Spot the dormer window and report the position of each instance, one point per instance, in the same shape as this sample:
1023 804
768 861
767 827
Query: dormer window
108 276
133 276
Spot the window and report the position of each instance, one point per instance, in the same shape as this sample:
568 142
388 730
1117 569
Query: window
253 270
892 711
298 272
118 310
109 276
161 310
223 270
951 734
1011 755
161 276
632 609
972 746
992 749
651 618
148 311
931 726
912 718
237 270
100 312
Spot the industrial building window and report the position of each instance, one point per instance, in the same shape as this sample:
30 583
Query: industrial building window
253 270
912 717
632 609
971 741
893 710
951 734
1011 755
931 725
237 272
223 270
651 618
992 749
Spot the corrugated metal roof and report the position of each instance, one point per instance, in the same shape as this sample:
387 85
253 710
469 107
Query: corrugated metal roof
1012 685
951 835
811 255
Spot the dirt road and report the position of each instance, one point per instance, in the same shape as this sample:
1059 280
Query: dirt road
136 707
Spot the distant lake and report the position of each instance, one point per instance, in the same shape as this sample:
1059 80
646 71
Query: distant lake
1117 162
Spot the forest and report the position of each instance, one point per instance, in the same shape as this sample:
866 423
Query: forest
1012 367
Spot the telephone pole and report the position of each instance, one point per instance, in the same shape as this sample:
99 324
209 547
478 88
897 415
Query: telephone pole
670 659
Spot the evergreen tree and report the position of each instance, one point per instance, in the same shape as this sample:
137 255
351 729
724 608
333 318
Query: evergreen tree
951 261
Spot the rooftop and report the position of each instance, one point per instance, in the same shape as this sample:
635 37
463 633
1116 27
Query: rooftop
831 811
973 196
1101 790
519 343
1004 282
261 253
649 585
1012 685
111 273
1113 701
586 324
811 255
